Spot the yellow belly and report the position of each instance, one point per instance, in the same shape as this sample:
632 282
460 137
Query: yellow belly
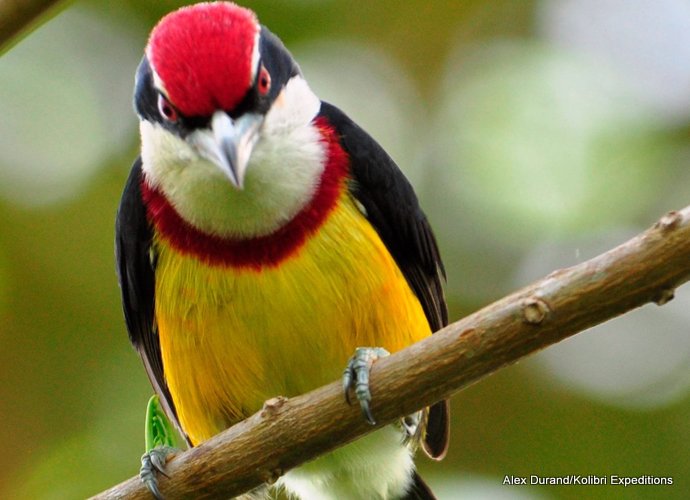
232 338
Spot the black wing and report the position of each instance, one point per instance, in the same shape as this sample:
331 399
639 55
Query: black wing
135 268
392 208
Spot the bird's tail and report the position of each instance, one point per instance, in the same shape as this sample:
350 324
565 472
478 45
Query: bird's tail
418 490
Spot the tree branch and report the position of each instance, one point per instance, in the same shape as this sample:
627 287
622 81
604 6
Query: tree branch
286 433
18 16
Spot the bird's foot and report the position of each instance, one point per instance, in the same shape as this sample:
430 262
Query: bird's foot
152 463
356 376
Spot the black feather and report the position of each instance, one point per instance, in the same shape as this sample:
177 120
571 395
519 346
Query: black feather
135 270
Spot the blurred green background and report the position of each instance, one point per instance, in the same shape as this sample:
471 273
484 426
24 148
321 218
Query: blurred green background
537 134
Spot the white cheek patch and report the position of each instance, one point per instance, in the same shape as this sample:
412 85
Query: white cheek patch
295 106
288 160
161 152
164 155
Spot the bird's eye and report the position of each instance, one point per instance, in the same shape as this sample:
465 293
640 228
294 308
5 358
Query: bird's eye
167 111
264 81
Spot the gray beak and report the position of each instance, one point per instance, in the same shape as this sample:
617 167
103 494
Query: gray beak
229 143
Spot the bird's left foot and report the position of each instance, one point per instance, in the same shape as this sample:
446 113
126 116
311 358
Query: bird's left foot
152 463
356 376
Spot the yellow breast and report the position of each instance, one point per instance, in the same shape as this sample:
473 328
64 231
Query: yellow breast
232 338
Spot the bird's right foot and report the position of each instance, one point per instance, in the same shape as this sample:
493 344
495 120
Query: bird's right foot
356 376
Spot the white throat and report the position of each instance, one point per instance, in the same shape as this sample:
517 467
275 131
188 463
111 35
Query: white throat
282 175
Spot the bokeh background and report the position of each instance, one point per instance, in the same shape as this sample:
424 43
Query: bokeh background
537 133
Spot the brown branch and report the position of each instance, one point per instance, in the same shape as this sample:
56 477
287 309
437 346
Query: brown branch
286 433
19 16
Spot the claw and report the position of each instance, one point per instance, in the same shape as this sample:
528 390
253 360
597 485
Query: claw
152 463
357 375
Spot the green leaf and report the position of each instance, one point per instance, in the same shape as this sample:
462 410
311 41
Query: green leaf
159 430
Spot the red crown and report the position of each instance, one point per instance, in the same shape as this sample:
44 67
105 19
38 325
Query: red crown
203 55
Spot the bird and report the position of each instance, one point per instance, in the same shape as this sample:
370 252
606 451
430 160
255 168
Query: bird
264 242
